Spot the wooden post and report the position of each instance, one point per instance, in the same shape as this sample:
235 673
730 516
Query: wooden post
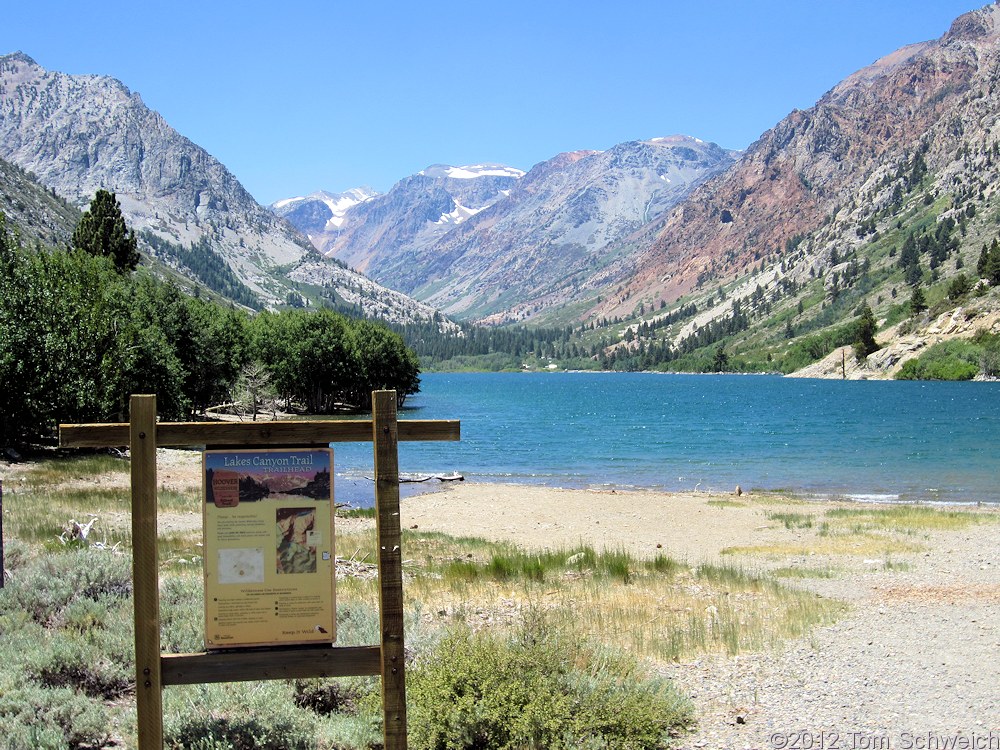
145 572
390 567
153 669
3 574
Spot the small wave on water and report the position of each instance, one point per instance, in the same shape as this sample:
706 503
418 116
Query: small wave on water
862 497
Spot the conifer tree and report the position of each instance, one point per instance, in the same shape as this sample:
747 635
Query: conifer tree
102 231
864 343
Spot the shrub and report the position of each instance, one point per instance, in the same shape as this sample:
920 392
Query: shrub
76 661
47 585
241 733
327 696
537 687
237 716
949 360
33 717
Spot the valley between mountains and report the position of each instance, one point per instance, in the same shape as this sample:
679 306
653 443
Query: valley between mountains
659 253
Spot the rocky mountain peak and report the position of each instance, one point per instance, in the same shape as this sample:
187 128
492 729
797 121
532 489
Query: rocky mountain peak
17 57
415 212
976 24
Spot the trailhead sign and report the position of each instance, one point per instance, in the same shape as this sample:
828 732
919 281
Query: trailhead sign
269 547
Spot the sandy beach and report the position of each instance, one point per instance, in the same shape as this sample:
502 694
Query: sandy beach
689 526
914 662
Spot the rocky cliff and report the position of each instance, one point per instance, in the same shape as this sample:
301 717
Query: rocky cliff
838 161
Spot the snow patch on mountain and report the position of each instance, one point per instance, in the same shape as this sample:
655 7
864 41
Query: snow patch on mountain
460 214
471 172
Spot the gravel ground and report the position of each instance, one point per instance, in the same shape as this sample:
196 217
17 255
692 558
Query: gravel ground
914 663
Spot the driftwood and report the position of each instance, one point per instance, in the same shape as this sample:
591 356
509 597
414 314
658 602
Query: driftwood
415 478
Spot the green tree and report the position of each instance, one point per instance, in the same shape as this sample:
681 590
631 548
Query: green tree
72 347
102 231
210 341
959 287
380 360
918 303
720 362
988 266
864 342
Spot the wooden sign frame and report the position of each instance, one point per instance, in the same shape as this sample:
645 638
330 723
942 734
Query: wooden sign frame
154 669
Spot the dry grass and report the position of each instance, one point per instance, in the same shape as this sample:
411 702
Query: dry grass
906 519
867 545
657 608
863 531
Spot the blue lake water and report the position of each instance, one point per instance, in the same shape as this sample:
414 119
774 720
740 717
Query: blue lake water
881 440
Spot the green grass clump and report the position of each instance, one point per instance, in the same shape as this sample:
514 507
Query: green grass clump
538 686
356 512
908 519
726 504
790 571
665 565
507 563
793 520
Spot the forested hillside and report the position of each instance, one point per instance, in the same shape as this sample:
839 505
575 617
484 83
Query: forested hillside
80 331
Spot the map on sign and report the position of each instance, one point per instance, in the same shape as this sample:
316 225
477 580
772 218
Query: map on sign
241 565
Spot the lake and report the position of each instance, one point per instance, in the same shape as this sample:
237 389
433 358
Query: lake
878 440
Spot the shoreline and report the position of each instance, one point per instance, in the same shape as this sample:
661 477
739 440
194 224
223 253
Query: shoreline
914 651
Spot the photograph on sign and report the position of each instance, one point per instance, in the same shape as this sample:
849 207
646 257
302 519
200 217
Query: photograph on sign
269 547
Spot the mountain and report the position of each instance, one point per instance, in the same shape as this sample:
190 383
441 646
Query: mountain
377 236
320 213
883 193
835 165
81 133
529 252
37 214
489 242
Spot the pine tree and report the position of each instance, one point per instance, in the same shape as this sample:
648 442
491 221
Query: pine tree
918 303
864 341
102 231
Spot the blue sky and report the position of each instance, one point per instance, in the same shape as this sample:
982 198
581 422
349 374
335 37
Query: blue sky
299 96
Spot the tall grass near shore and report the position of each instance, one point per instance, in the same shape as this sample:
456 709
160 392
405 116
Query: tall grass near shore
864 531
655 608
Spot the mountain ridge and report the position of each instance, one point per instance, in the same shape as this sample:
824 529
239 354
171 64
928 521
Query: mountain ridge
470 245
78 134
